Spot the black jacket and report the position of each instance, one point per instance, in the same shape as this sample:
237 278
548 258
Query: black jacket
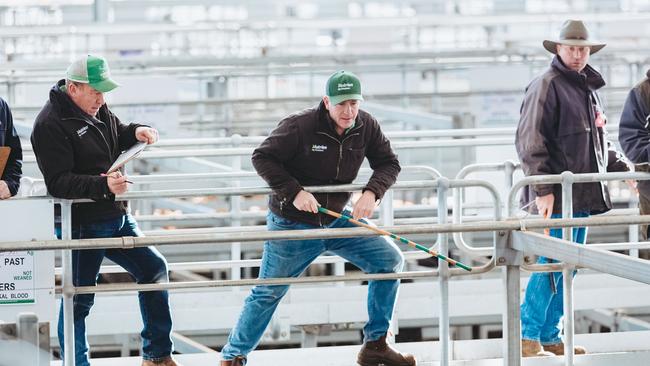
634 132
557 133
305 150
72 152
9 137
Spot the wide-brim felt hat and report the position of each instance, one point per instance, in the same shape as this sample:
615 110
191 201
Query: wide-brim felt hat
573 33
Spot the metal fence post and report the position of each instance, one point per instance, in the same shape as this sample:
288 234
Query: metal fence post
235 210
27 332
443 269
567 271
633 230
67 285
506 256
387 218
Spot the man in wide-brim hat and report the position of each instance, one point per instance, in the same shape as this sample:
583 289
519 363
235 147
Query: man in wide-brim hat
561 129
573 33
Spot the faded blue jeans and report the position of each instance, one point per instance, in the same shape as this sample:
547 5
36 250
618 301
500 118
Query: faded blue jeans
542 309
146 265
289 258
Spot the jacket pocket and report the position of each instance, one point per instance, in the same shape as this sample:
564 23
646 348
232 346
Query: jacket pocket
575 143
350 164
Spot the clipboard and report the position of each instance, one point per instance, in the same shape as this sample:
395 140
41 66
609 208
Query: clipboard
127 156
4 157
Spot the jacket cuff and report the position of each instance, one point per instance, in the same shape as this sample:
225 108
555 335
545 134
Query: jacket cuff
289 193
106 194
378 196
542 189
13 187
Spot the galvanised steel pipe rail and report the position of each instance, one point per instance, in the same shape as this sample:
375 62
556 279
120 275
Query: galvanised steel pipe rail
617 264
558 179
241 263
247 151
512 205
498 226
457 212
275 281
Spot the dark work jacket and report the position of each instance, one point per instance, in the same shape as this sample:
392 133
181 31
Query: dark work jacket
557 133
72 154
9 137
633 133
305 150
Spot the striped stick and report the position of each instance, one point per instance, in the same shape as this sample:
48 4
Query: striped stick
396 237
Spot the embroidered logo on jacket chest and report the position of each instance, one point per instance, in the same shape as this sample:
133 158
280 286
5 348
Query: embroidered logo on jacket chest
318 148
82 131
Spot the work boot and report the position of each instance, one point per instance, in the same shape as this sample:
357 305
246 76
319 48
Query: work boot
379 352
165 361
237 361
533 349
558 349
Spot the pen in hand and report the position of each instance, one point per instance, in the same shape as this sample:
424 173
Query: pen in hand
117 175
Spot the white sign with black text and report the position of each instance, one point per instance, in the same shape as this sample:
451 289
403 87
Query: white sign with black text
17 278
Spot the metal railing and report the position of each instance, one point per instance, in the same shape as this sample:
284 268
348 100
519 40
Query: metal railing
68 290
511 233
510 249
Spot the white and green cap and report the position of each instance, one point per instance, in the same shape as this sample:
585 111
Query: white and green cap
92 70
343 85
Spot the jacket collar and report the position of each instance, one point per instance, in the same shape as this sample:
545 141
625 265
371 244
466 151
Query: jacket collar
67 108
588 77
326 124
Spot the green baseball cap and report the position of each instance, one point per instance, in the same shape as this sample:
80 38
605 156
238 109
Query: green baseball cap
92 70
342 86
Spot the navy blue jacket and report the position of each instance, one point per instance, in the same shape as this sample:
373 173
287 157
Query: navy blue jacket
9 137
633 133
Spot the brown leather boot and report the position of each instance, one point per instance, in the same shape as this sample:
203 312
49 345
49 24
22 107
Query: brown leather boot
558 349
237 361
166 361
379 352
533 349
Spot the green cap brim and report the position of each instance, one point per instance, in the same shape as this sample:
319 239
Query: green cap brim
104 86
342 98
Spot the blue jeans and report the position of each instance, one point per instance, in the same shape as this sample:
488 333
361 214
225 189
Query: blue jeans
543 308
146 265
289 258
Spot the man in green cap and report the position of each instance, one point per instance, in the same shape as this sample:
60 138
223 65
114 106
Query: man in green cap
324 145
76 138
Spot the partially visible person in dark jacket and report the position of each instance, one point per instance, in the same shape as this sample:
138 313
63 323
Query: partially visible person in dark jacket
76 138
10 177
324 145
634 137
562 128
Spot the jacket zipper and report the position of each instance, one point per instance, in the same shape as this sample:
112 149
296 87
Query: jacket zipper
338 165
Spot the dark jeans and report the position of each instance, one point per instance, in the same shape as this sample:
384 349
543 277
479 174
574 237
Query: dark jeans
146 265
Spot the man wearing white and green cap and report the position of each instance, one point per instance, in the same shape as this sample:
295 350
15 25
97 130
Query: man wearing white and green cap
76 138
324 145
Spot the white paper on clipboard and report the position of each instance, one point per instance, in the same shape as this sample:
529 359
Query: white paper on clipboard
126 156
